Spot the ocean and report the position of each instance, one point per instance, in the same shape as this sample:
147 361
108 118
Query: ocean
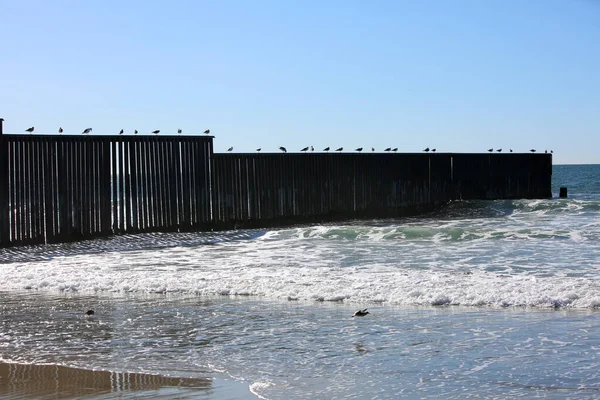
479 299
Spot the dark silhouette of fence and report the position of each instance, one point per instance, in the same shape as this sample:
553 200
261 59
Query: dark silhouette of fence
60 188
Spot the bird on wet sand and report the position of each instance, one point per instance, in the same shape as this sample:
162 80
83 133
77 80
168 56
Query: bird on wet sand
89 312
339 149
121 132
305 149
361 313
426 149
326 149
283 149
359 149
156 131
30 129
60 130
230 149
86 131
207 131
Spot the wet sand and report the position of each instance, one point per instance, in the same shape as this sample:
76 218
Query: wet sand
54 381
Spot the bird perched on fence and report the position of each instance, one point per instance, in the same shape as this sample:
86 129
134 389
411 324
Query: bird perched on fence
230 149
490 150
305 149
372 148
86 131
207 131
433 150
156 131
60 130
179 131
312 148
395 149
359 149
511 150
388 149
426 149
532 150
121 132
283 149
258 150
326 149
499 150
30 129
135 132
339 149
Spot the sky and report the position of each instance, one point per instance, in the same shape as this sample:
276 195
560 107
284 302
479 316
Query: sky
460 75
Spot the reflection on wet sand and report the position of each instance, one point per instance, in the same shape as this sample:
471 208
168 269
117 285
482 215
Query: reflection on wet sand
54 381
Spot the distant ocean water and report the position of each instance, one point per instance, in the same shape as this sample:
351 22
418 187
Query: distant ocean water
480 299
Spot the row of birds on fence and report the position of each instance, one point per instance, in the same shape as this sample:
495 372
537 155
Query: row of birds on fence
87 131
283 149
360 149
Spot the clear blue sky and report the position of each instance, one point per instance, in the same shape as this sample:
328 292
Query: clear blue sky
460 75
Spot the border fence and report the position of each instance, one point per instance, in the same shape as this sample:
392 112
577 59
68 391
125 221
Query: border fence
57 188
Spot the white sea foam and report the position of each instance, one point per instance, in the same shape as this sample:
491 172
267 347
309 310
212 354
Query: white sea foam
519 259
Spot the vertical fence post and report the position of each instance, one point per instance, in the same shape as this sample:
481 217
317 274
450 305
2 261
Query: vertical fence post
4 192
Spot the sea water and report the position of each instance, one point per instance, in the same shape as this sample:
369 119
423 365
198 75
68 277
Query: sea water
490 299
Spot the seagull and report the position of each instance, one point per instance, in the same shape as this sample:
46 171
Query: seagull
60 130
86 131
546 151
551 152
395 149
361 313
305 149
121 132
230 149
156 131
207 131
532 150
30 129
339 149
426 149
499 150
511 150
372 148
490 150
283 149
179 131
388 149
326 149
433 150
359 149
258 150
312 148
89 312
135 132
